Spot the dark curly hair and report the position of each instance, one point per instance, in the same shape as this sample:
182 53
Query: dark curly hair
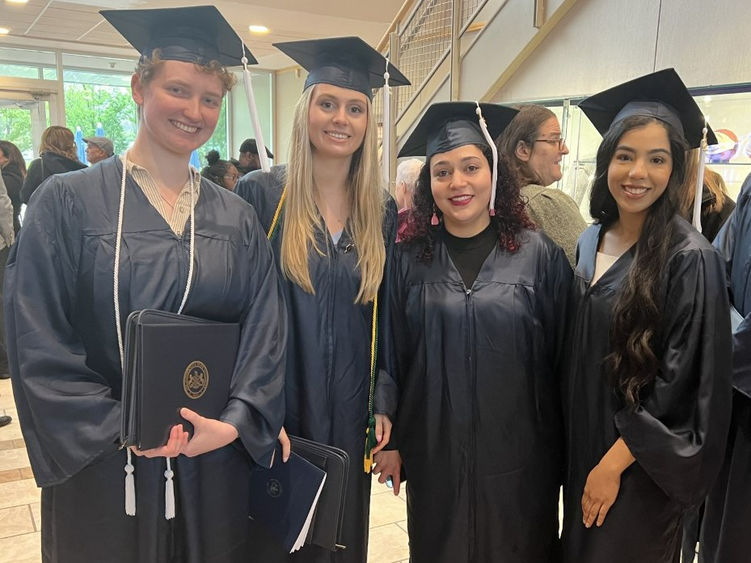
634 331
510 213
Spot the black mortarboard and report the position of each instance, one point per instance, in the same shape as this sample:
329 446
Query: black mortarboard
249 145
347 62
661 95
198 34
448 125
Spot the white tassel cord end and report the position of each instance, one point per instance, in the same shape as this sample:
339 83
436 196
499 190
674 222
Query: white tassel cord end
260 145
130 487
699 190
169 492
494 150
386 129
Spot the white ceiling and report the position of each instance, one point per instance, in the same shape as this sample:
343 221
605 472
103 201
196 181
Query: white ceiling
75 25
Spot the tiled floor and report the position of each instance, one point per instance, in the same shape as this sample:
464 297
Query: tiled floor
19 503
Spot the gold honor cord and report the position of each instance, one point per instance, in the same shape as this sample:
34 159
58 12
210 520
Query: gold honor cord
370 437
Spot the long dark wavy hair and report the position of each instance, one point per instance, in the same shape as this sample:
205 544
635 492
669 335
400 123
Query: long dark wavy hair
634 330
509 220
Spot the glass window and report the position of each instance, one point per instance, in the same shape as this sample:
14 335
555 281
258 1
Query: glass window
27 63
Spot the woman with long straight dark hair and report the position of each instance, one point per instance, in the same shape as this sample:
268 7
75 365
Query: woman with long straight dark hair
646 393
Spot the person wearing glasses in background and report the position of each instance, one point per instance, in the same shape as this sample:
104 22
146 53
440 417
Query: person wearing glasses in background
222 172
534 146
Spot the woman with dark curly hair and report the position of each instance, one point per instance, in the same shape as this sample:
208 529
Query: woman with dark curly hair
477 315
646 389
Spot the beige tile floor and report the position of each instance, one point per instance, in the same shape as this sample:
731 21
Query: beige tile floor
19 503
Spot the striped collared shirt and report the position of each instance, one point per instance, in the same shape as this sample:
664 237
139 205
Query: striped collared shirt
175 217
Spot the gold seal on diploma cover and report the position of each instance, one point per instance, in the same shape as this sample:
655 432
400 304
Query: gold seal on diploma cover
196 379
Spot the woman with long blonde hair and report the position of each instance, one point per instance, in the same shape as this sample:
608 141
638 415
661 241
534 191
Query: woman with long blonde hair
57 154
332 227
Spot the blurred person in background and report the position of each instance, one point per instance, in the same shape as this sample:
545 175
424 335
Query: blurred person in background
57 154
13 168
535 146
98 148
222 172
406 177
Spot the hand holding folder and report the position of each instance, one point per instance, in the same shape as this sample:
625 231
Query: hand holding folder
174 361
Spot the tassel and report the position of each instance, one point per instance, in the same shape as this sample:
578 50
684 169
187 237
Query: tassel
494 151
370 443
699 188
169 493
386 136
130 487
434 219
251 99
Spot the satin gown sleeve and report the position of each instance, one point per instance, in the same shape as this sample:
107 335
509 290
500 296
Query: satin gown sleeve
678 432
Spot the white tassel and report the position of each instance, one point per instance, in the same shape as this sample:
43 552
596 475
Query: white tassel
494 150
169 493
260 145
699 190
130 487
386 137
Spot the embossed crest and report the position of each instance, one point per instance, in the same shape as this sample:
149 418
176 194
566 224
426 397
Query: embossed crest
273 488
196 379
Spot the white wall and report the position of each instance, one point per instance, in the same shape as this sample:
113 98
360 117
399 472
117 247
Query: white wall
288 88
600 43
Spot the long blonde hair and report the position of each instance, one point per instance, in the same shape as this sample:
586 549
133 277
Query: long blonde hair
301 217
712 180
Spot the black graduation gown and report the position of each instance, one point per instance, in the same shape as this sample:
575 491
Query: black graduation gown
725 533
678 433
328 361
479 425
66 375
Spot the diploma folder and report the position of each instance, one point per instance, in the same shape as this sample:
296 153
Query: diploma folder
327 514
284 498
173 361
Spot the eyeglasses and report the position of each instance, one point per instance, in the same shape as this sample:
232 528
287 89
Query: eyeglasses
232 177
560 141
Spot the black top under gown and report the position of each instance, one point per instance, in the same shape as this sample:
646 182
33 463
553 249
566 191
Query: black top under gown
479 425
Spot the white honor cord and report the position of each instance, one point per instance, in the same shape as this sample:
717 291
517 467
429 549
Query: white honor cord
130 487
494 150
260 145
699 189
386 129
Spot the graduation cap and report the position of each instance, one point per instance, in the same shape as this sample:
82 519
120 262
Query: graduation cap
449 125
198 34
347 62
661 95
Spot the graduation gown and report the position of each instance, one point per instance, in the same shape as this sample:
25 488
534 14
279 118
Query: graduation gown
67 380
725 534
677 434
479 425
328 361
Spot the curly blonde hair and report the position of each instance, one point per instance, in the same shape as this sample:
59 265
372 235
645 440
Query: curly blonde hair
147 68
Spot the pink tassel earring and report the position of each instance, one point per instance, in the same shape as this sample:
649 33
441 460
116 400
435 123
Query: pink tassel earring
434 219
